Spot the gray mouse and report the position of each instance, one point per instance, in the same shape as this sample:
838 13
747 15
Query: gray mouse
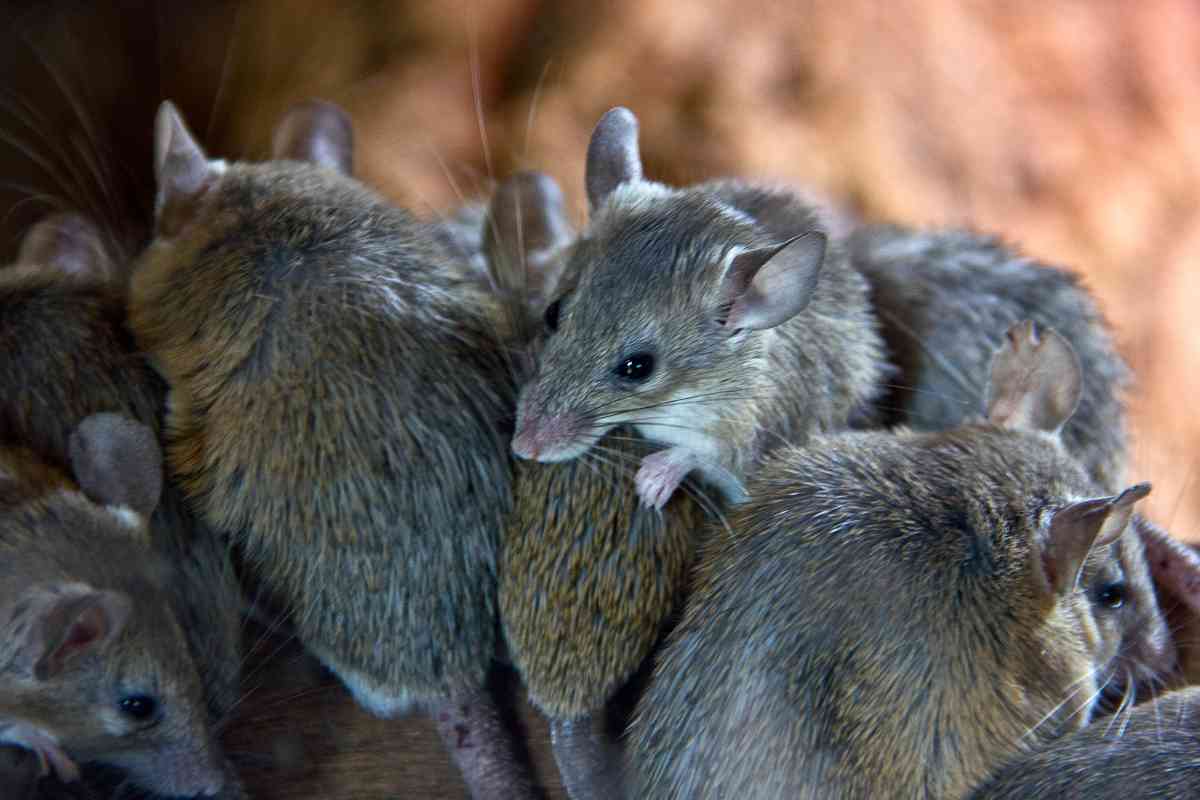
705 330
63 341
337 389
94 664
895 614
1151 752
588 576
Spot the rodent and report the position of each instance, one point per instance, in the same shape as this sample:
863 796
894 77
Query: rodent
94 664
63 341
588 577
336 392
895 613
1151 752
698 326
943 299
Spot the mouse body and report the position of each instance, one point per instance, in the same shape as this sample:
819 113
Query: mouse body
895 613
63 340
95 665
708 332
336 392
1149 752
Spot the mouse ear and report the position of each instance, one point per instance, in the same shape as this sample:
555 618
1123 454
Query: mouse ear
612 155
117 462
525 229
55 624
317 132
1175 570
768 286
1036 380
181 168
1078 528
69 243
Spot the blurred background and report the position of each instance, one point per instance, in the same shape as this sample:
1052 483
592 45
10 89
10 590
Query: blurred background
1070 128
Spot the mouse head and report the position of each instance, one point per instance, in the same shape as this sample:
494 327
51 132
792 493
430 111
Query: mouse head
93 653
70 245
1077 570
671 293
526 233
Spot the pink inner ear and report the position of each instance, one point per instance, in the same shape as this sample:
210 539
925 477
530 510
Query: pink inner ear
1173 565
89 627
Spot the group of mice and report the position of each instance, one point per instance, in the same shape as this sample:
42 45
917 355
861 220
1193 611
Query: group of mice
856 490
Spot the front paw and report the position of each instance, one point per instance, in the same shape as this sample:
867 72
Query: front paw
50 756
660 475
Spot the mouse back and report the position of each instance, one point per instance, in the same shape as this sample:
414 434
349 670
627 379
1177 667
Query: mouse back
314 335
946 574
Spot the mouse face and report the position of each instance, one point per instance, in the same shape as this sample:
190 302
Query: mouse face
640 338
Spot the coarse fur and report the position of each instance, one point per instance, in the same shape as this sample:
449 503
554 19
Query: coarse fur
671 273
336 395
88 611
891 617
1149 753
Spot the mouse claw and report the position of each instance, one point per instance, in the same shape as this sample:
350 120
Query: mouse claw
51 757
660 475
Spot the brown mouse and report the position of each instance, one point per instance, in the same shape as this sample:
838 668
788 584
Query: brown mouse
895 614
63 340
943 297
94 663
704 329
1149 752
336 396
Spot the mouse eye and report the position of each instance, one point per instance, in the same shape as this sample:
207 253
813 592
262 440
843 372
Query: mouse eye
138 706
551 316
1111 595
637 367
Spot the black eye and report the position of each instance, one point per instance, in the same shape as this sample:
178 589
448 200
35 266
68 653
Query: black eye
1111 595
138 706
636 367
552 315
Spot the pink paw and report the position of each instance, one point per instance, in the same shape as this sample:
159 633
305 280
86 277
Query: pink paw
659 476
50 755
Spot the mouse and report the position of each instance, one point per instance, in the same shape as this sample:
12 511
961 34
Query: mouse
588 575
1150 752
707 332
943 298
94 664
336 398
895 613
63 340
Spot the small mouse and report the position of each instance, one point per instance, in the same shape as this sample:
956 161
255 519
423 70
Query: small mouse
895 614
94 664
943 297
63 341
337 391
705 330
1150 752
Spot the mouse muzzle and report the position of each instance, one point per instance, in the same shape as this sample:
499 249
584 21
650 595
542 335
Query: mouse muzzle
550 438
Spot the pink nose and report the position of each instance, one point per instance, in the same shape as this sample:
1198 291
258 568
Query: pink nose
525 443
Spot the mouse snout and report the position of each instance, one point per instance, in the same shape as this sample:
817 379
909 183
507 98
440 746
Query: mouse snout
547 438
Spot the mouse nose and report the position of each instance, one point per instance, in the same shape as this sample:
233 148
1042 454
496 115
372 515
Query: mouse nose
525 443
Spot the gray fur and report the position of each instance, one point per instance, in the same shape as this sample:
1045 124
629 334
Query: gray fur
1151 751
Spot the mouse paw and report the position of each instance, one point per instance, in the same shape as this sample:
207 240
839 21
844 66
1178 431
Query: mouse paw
660 475
50 756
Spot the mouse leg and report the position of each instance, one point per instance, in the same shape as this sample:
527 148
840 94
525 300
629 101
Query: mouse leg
589 762
50 755
482 747
661 473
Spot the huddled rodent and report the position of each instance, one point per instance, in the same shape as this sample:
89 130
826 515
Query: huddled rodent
895 614
336 396
587 575
94 663
1152 752
63 341
687 319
